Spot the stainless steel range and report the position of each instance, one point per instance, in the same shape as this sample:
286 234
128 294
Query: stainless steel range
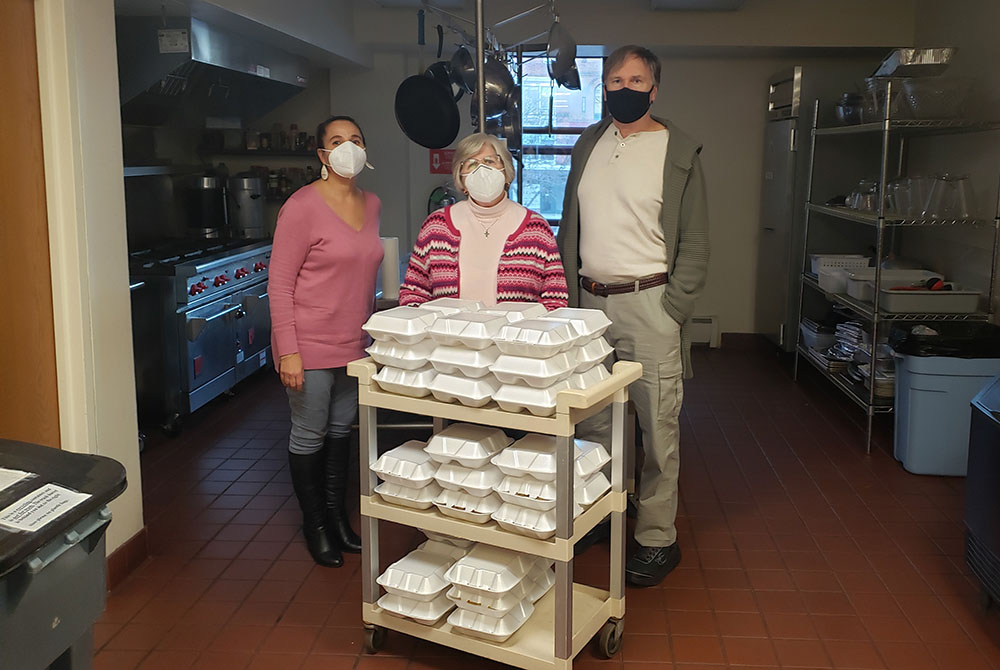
200 323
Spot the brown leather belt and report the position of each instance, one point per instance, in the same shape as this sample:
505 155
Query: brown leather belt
640 284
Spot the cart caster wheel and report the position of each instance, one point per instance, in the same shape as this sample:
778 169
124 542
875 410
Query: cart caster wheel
985 599
172 426
609 640
374 638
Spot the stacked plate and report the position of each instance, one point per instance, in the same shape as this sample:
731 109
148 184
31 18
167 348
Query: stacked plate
465 474
495 591
407 473
416 586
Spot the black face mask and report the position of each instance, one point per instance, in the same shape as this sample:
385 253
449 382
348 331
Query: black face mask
627 105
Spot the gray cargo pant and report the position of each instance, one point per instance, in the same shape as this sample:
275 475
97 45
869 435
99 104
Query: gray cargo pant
642 331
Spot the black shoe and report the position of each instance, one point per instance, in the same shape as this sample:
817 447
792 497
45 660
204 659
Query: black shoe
338 458
599 533
307 480
631 510
650 565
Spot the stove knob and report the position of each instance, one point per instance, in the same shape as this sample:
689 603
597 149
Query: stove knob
218 281
202 286
224 279
193 290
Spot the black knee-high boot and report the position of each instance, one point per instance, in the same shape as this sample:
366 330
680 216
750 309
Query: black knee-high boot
307 480
338 458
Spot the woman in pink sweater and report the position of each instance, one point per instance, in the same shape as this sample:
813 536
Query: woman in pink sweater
322 286
488 247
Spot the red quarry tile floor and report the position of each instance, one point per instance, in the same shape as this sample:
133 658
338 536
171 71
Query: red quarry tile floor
799 551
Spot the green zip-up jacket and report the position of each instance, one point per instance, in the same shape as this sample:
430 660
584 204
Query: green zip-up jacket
684 217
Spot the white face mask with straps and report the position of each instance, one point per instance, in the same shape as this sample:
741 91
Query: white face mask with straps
485 184
348 159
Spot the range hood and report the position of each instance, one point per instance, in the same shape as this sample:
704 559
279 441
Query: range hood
180 70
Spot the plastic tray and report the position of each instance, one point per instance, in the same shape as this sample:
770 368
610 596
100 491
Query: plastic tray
540 402
535 455
413 383
475 330
530 522
405 496
540 495
461 505
584 380
535 372
426 612
833 280
405 325
469 392
492 570
956 301
478 482
460 360
451 305
420 575
401 356
852 261
592 353
518 311
468 444
490 628
406 465
861 283
589 323
536 338
532 587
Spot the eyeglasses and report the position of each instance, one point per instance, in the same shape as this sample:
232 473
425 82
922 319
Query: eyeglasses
470 164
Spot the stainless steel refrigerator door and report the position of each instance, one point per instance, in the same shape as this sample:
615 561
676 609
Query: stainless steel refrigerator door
777 217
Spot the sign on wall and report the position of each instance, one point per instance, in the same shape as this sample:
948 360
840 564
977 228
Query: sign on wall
441 160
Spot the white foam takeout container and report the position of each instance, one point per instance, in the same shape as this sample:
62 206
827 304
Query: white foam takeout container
472 363
474 330
406 465
413 383
405 496
427 612
461 505
592 353
541 495
402 356
440 538
535 455
451 305
540 402
468 444
420 575
535 372
527 521
478 482
533 586
493 570
537 338
488 627
518 311
589 323
584 380
470 392
405 325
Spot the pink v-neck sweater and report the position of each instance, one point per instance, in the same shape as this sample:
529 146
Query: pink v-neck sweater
322 281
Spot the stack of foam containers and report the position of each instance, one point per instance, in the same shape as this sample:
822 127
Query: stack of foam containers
416 586
407 473
495 591
401 347
465 474
528 487
463 356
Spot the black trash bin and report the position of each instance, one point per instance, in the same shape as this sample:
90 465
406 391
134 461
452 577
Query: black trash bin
52 580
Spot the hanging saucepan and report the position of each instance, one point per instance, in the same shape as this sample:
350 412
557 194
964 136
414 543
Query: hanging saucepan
561 53
441 73
571 79
499 87
426 112
463 70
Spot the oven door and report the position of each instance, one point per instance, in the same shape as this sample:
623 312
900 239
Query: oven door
253 330
210 337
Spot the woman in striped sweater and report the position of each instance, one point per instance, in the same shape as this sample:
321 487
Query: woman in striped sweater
487 247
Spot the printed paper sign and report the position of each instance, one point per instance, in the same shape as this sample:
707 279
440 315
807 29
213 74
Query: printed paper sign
441 160
10 477
40 507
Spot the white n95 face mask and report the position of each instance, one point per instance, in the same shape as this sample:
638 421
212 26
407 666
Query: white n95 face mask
348 159
485 184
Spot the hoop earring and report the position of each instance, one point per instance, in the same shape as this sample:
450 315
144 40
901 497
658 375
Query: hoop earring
324 173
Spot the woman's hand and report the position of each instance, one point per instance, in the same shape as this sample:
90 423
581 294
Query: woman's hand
291 372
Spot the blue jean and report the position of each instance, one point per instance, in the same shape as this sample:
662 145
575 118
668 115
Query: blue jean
327 405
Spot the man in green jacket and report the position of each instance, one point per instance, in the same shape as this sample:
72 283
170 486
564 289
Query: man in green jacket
634 242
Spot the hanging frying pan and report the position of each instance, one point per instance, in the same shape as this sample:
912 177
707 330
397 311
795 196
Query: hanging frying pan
463 70
426 112
499 89
561 52
441 73
571 79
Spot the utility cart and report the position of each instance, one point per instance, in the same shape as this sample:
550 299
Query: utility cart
569 615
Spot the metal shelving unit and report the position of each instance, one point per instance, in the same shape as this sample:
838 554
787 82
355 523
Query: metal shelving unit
863 394
570 615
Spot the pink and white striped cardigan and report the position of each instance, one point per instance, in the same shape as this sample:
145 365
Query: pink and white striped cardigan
530 269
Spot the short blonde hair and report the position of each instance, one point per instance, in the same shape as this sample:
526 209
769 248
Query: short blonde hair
470 146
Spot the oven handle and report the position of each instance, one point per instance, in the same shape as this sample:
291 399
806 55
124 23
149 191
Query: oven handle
197 324
250 301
